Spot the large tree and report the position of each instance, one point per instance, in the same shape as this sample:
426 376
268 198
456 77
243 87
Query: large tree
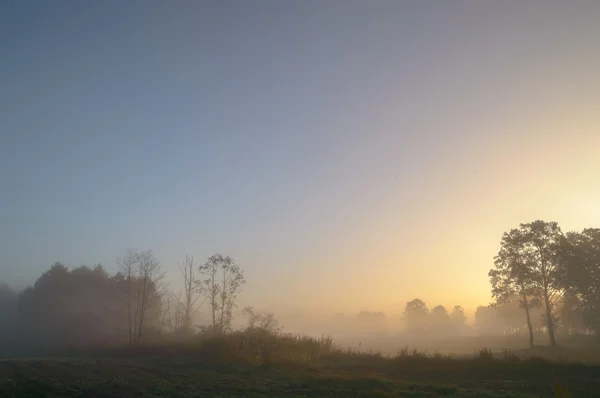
541 246
529 264
223 283
580 263
512 276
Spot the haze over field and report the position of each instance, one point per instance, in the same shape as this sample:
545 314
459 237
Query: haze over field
349 155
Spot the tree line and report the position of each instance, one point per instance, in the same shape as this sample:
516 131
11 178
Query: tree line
437 322
87 305
543 280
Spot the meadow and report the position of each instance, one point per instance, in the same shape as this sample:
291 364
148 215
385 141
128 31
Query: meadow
259 364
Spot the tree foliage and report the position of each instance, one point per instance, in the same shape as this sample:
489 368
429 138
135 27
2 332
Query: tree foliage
580 265
416 316
527 266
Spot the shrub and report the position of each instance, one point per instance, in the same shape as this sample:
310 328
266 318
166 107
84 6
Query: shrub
485 354
510 356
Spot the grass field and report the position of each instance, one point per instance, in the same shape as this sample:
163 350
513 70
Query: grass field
188 377
264 365
114 378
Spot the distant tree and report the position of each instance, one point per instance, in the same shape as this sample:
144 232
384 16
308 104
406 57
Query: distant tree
66 307
440 321
580 266
189 304
9 320
142 277
459 320
416 315
224 280
371 321
513 275
148 297
486 322
128 265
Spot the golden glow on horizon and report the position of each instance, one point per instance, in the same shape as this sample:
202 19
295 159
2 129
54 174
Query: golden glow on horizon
440 244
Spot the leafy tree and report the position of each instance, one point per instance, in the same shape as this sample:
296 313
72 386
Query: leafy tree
439 319
541 247
580 263
416 316
487 321
459 320
513 275
572 315
71 307
224 280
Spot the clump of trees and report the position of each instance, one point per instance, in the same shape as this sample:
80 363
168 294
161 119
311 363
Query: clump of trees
86 306
437 322
539 267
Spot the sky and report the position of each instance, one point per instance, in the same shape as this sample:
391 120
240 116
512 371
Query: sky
349 155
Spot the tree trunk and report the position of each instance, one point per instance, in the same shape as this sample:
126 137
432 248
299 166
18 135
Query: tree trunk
529 327
129 311
549 320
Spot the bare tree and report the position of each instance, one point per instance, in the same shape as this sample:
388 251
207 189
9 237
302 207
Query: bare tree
150 276
265 321
189 304
166 320
220 288
128 266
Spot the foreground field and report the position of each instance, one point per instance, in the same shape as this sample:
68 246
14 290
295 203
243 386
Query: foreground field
187 377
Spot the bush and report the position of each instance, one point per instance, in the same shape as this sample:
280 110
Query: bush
510 356
485 354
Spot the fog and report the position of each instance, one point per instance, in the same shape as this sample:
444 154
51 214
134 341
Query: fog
550 297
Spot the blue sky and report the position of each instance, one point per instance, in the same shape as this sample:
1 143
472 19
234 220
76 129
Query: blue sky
315 142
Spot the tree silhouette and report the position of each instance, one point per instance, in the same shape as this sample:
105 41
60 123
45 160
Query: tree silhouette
459 320
513 276
416 316
439 320
8 318
224 280
487 321
140 279
541 245
188 305
572 314
580 265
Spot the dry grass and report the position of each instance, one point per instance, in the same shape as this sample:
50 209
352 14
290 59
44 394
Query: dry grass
260 364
